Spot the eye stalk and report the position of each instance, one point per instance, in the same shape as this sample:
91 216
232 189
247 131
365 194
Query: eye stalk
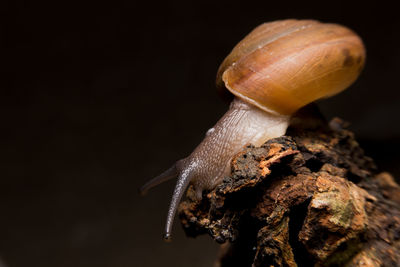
276 69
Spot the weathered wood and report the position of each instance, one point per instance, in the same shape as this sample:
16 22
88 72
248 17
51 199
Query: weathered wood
310 198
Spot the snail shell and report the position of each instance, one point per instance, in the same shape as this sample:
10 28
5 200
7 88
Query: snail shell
284 65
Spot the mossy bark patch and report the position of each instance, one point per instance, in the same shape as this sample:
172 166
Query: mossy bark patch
310 198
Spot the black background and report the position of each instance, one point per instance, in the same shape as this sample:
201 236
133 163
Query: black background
98 97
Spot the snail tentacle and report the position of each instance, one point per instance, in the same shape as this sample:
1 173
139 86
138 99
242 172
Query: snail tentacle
185 175
169 174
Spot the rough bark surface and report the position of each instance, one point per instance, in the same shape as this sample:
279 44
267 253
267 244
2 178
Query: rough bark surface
310 198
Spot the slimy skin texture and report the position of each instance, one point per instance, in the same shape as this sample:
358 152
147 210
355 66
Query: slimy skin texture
210 162
276 69
241 125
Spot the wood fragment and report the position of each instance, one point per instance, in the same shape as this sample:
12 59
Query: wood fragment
310 198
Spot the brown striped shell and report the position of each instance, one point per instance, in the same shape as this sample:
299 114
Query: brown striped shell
283 65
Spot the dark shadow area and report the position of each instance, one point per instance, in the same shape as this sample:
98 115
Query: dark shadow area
296 220
242 251
98 97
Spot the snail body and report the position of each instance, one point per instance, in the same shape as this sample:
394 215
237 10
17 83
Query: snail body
276 69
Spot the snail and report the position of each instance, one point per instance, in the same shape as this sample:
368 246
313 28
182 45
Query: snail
276 69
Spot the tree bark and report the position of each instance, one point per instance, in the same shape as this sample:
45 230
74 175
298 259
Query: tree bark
309 198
